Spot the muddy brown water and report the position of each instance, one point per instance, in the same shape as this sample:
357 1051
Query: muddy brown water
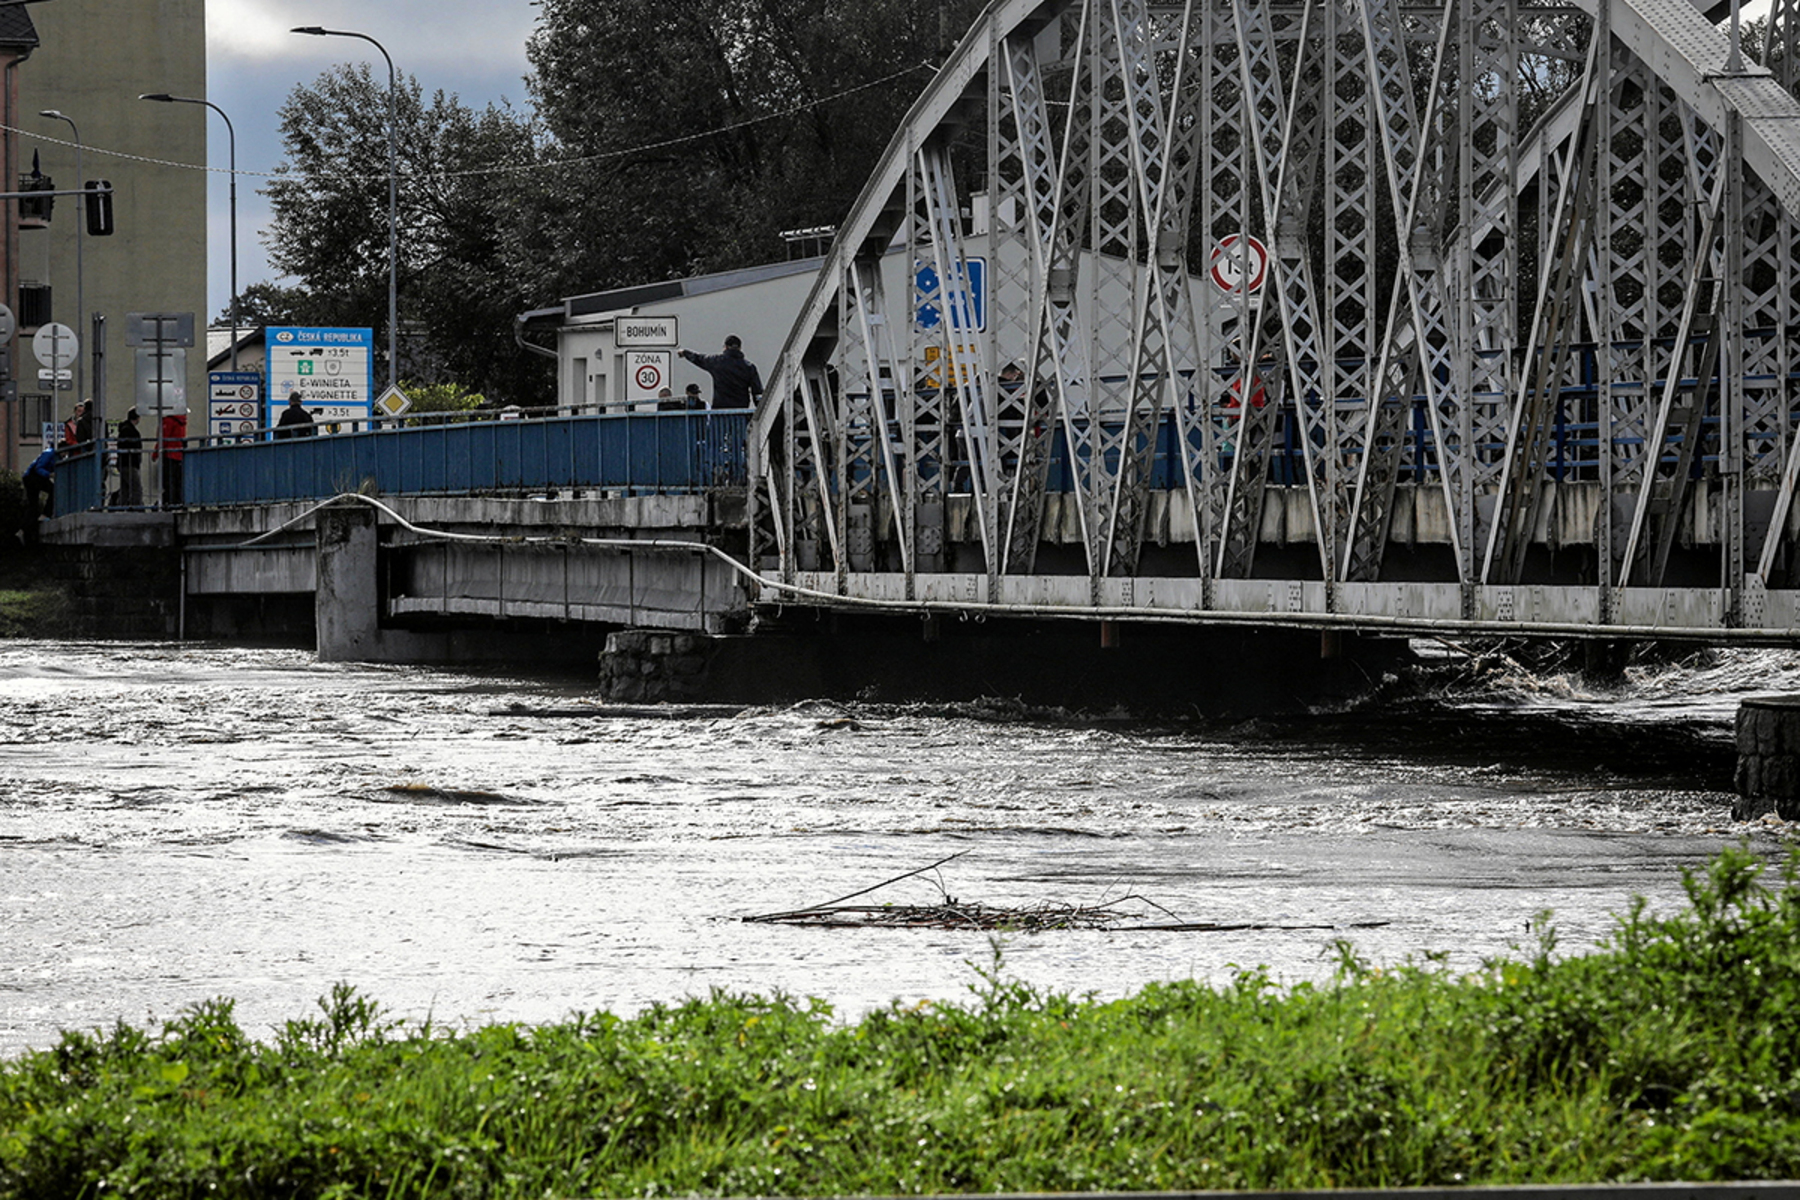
183 822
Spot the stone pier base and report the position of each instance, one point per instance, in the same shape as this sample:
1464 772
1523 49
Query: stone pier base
1768 763
1132 668
655 665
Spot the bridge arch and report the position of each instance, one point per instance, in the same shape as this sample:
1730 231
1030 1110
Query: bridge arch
1487 223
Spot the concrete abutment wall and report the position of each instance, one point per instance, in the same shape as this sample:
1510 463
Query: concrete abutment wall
1768 766
121 573
120 591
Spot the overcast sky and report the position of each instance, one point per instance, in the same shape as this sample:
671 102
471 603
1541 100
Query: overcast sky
472 48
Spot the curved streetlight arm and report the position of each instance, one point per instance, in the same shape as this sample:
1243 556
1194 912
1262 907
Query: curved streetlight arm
321 31
231 136
58 115
393 209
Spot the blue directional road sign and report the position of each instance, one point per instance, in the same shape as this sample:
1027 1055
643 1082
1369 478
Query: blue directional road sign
967 307
332 369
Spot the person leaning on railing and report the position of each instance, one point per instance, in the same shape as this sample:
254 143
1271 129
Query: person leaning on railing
40 490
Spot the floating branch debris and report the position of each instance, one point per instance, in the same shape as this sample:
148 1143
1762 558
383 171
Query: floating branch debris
585 712
951 913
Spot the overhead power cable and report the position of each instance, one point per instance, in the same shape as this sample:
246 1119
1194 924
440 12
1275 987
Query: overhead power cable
515 168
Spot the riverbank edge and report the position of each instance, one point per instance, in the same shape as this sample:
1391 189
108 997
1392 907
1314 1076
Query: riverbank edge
34 601
1670 1053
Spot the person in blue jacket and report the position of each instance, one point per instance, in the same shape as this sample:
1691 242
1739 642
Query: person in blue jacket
40 490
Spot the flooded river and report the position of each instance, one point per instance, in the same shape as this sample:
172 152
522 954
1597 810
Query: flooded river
181 822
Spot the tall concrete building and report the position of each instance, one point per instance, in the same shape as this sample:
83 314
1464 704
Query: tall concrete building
93 59
18 38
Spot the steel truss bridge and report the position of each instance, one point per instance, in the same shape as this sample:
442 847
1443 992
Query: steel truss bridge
1519 348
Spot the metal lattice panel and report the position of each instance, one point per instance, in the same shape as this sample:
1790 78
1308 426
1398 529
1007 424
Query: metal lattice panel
1487 246
1286 126
1502 268
1024 206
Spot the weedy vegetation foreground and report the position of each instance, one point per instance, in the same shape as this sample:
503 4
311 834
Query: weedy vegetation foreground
1672 1051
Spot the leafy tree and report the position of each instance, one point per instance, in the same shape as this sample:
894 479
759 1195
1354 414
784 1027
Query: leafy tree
697 132
458 291
433 402
266 303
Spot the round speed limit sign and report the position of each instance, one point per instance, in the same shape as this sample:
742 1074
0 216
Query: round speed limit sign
647 372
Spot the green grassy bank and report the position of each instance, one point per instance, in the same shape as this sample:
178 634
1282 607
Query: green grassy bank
1671 1053
32 611
32 603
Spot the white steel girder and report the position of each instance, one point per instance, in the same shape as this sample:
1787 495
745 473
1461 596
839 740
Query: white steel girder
1142 358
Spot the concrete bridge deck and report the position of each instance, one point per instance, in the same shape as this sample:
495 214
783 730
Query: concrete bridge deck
641 521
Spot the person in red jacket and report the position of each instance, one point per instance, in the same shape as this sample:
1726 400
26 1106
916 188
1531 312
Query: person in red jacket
169 450
78 428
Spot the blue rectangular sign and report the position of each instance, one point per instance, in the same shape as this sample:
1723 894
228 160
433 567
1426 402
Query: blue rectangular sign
333 370
234 403
966 306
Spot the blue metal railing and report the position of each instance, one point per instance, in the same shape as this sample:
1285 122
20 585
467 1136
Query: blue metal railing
677 452
635 452
78 471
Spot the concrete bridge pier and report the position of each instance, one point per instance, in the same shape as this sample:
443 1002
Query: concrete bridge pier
1768 758
346 603
348 599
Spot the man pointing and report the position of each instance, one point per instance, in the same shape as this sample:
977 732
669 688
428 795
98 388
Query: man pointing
736 381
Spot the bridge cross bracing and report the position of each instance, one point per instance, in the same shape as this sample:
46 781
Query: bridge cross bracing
1478 314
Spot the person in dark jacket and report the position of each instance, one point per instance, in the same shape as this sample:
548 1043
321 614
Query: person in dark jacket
295 420
131 462
736 381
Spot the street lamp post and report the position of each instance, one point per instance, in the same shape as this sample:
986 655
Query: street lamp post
393 221
231 135
99 418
